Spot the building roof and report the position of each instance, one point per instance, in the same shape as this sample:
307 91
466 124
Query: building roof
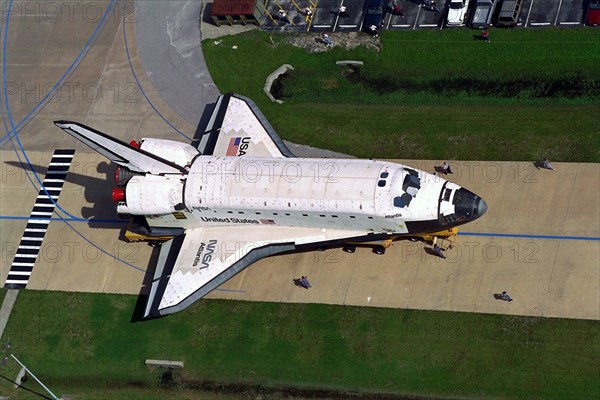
232 7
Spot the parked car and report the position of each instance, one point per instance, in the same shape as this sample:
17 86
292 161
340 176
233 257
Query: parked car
510 10
457 10
482 15
593 13
373 15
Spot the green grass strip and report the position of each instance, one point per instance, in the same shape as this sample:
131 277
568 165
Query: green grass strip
86 342
449 113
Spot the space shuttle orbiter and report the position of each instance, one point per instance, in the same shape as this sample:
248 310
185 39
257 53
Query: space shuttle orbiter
237 195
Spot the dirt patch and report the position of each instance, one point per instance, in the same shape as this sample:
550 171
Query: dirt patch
256 391
314 43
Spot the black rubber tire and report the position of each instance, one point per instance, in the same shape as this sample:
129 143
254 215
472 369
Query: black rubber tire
380 250
349 248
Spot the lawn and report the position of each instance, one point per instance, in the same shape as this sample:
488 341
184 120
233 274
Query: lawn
430 94
85 344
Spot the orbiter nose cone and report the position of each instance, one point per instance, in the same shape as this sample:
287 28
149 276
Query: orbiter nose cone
468 205
481 207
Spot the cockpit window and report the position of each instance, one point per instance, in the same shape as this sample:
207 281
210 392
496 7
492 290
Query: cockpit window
447 194
402 201
381 183
384 175
410 187
411 181
398 202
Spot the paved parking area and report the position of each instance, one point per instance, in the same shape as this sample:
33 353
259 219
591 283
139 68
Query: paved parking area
552 13
325 17
527 243
545 252
330 19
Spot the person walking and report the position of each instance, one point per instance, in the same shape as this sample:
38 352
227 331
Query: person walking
438 251
397 10
446 168
304 282
327 40
283 16
546 164
373 31
506 297
485 35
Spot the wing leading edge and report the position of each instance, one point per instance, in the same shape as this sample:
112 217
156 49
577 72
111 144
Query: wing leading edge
119 152
197 262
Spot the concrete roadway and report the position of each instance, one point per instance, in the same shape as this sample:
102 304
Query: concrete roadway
554 277
167 39
109 90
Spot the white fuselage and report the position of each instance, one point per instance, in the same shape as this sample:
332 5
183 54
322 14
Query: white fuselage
326 193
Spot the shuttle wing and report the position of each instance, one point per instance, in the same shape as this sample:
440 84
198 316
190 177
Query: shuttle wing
193 264
238 128
118 151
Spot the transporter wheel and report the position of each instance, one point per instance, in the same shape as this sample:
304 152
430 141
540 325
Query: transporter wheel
380 250
349 248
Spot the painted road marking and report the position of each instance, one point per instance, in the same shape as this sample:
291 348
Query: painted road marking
29 247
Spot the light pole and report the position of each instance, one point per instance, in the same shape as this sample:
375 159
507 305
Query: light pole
7 347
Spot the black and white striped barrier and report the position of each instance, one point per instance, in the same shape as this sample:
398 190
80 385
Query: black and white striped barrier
37 225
